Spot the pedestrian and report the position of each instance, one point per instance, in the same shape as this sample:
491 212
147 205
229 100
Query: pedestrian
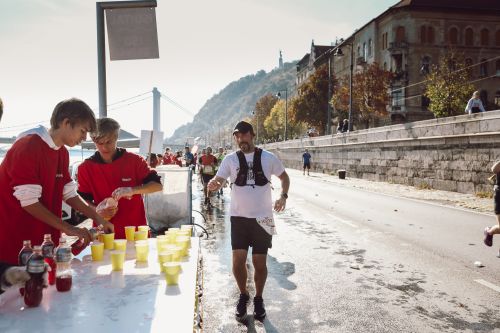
115 172
207 163
345 126
189 157
490 231
153 160
34 179
475 105
249 170
306 160
339 127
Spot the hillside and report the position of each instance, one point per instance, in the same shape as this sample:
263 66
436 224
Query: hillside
234 102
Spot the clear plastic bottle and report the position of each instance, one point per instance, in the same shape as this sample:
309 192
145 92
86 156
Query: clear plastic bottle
79 246
64 275
25 253
34 286
48 255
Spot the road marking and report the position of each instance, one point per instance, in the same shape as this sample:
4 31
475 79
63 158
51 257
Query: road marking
342 221
488 284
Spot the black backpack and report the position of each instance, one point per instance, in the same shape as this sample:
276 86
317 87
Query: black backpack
241 178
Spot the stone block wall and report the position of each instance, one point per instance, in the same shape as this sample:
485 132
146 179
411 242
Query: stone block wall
452 154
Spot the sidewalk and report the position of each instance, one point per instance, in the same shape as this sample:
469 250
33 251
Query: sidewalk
453 199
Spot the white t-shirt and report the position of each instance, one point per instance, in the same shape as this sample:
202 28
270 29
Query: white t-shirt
251 201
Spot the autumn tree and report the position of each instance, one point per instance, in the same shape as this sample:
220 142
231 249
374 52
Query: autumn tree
448 86
370 95
262 110
311 105
275 123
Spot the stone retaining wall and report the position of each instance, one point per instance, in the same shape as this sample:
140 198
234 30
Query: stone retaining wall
452 154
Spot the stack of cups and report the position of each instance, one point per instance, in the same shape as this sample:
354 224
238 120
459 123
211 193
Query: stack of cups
141 235
144 228
130 233
184 242
187 227
108 240
142 250
163 257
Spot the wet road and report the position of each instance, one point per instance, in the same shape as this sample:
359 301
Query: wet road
348 260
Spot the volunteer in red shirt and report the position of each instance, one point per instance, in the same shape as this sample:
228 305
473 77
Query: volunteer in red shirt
34 179
208 162
167 157
114 172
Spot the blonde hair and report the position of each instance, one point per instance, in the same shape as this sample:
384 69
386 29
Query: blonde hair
105 127
476 94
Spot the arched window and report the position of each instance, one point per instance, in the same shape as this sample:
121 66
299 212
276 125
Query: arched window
483 68
425 68
453 36
400 34
497 68
423 34
497 38
485 37
364 51
385 66
430 35
468 65
469 37
370 47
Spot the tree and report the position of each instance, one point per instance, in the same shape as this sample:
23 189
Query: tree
275 123
311 105
370 95
262 110
448 86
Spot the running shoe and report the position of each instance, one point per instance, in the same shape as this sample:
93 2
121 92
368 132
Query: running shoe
259 312
241 307
488 239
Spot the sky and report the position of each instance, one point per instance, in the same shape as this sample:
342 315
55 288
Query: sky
48 53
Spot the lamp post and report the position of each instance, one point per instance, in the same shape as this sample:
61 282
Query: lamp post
339 53
329 108
286 109
256 114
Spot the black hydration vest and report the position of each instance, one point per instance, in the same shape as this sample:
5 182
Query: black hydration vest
241 178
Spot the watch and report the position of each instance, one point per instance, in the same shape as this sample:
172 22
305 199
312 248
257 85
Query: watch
284 195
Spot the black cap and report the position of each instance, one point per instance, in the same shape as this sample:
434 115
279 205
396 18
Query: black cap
243 127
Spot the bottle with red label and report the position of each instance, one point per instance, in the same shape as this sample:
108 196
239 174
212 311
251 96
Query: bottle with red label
64 276
48 255
79 245
35 267
25 253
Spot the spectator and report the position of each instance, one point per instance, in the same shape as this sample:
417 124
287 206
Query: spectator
345 126
475 105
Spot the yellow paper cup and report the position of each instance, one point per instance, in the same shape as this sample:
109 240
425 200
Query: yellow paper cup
108 240
171 235
97 250
129 233
178 253
188 227
144 228
172 270
141 251
117 260
120 244
163 257
141 235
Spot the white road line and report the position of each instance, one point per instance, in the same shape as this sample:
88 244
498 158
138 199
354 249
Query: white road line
342 221
488 284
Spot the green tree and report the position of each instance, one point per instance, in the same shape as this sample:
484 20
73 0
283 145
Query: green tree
311 105
370 95
448 86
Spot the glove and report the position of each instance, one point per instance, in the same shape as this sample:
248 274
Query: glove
107 208
123 192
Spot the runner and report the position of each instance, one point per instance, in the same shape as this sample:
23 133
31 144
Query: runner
207 163
220 156
306 159
490 231
34 179
249 170
114 172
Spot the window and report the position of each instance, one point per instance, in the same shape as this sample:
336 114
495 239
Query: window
385 66
397 98
483 68
423 34
385 38
497 68
370 47
430 35
485 37
426 63
453 36
497 98
468 66
469 37
364 51
359 51
400 34
497 38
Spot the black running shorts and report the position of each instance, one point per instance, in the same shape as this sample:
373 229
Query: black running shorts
307 165
246 233
496 199
206 178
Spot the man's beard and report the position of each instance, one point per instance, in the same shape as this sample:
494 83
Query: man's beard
245 147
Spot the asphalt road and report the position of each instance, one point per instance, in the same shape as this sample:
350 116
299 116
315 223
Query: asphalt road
351 260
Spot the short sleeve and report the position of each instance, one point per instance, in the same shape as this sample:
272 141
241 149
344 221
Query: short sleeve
224 169
143 172
24 166
277 167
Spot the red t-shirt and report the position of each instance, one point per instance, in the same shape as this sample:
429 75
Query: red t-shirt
167 159
30 161
101 179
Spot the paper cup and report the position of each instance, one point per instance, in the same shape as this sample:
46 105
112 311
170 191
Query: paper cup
188 227
144 228
97 250
141 251
117 260
129 233
141 235
108 240
163 257
120 244
172 270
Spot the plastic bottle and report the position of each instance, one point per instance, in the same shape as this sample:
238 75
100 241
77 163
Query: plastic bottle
48 255
79 246
25 253
64 276
34 286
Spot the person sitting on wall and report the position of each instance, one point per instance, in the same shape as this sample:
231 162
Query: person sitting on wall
475 105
